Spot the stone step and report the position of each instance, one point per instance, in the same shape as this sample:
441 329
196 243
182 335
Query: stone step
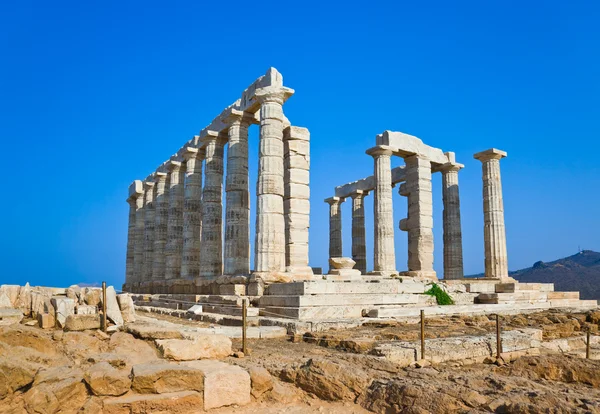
313 313
342 299
518 296
574 303
563 295
385 286
479 309
516 287
228 310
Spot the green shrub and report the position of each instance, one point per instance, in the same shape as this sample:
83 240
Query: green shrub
441 297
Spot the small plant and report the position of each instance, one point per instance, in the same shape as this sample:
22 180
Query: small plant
441 297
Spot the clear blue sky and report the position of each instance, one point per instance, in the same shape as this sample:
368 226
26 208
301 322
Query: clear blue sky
96 94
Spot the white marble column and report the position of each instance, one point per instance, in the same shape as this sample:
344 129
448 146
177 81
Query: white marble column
174 245
237 207
138 234
192 214
384 262
453 254
420 217
494 233
131 242
270 224
359 246
335 226
211 250
149 218
161 218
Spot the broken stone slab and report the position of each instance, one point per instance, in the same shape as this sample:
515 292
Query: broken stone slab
104 379
261 381
223 384
46 320
341 262
15 374
113 312
86 310
24 300
92 296
153 331
172 402
10 316
201 347
82 322
5 302
63 307
59 389
196 309
127 307
159 378
11 292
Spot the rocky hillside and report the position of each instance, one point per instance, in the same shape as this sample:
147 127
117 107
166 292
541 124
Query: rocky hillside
580 272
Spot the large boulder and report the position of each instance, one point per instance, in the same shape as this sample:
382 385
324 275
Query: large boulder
113 312
59 389
103 379
15 374
82 322
136 350
5 302
10 316
126 306
11 292
261 381
201 347
92 296
24 300
153 378
63 307
224 384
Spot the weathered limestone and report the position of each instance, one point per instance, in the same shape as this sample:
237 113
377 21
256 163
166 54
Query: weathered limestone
139 247
192 213
237 207
161 217
453 255
420 217
494 234
296 203
385 256
149 195
335 226
135 202
211 259
270 224
174 246
359 246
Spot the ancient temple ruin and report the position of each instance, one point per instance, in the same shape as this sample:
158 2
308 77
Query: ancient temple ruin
180 250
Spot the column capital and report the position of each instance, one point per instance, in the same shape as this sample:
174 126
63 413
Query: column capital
358 194
277 94
160 176
189 152
233 116
173 166
380 150
136 189
334 200
149 184
490 154
450 167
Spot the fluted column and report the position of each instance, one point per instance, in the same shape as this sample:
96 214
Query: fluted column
211 251
161 218
494 233
138 249
192 213
149 217
174 245
420 217
335 226
270 224
453 253
359 246
384 262
135 201
237 208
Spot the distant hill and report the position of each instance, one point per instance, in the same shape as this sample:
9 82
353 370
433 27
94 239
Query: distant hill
580 272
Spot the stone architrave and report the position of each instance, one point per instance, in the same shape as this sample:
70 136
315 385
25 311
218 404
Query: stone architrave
420 217
211 252
149 217
174 246
494 233
296 200
384 261
237 207
335 226
453 254
359 246
270 224
161 219
192 213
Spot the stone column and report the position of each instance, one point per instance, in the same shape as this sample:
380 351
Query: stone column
420 217
335 226
270 224
384 262
359 246
149 217
192 214
296 200
237 207
138 234
211 251
453 254
494 233
131 242
160 226
174 245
